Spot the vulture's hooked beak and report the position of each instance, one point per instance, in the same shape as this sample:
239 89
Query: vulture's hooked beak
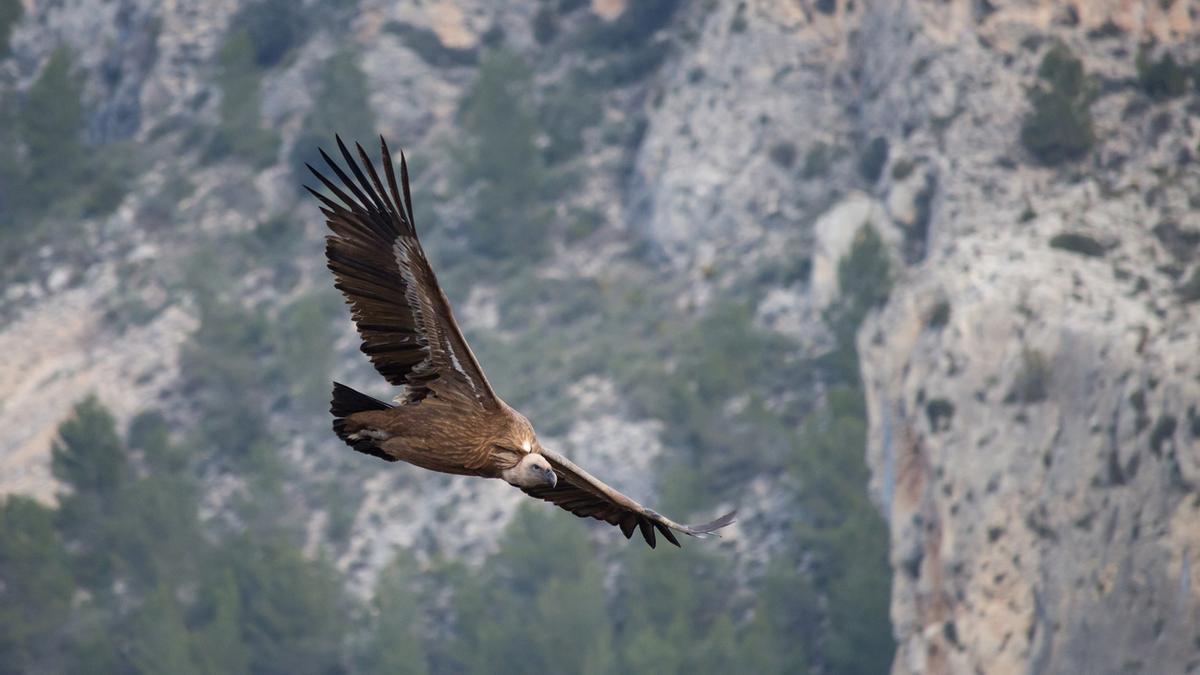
551 477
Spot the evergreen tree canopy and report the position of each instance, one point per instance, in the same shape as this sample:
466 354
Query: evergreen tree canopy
35 586
52 124
501 159
341 106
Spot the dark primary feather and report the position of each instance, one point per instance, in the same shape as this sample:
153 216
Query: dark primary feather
405 322
586 496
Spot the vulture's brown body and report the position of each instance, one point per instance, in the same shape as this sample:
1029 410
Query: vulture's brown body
448 418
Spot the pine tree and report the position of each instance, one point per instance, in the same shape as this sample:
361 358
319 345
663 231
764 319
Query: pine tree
562 595
501 158
10 14
217 645
341 105
159 640
35 586
51 125
90 461
396 645
291 610
241 132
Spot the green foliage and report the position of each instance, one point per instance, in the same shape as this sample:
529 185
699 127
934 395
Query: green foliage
582 223
222 365
59 174
783 154
304 335
150 435
341 105
500 157
939 316
10 14
119 526
1078 242
163 596
88 457
272 27
241 133
865 281
864 275
902 169
817 161
1189 290
859 591
1161 78
940 412
1164 429
676 616
35 586
11 171
562 595
159 637
786 623
52 123
545 25
396 645
567 109
1032 380
290 617
844 534
873 159
1058 128
216 642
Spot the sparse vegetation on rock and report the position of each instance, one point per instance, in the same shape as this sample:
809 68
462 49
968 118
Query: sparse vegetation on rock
873 159
10 14
1031 383
1162 77
1078 242
1058 127
241 132
341 105
501 159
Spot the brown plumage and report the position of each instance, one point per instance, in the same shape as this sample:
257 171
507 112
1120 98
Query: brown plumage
448 418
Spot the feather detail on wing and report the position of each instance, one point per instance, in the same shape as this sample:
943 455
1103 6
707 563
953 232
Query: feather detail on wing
403 317
586 496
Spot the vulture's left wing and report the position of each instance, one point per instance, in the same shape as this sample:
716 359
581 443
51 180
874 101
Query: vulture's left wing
588 497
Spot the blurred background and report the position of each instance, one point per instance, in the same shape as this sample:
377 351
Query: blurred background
912 285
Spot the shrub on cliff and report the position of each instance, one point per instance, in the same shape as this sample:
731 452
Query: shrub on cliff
1058 127
1161 78
10 13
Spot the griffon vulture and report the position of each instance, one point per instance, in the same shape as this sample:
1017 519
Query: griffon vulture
447 418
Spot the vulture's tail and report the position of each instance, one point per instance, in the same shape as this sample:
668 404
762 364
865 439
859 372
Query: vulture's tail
345 403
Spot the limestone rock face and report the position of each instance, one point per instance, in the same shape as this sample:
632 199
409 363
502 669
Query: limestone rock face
1032 382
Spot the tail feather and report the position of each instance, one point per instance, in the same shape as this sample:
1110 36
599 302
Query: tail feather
346 402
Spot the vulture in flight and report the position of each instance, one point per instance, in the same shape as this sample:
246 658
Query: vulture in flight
447 418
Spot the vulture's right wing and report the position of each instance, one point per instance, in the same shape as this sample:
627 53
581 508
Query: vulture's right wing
586 496
404 319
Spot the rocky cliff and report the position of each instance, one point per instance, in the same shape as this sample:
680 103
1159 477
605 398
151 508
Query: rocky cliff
1031 382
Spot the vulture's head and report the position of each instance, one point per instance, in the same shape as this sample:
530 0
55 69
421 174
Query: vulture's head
531 472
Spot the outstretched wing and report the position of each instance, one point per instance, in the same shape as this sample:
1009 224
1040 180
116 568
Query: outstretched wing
402 315
587 497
